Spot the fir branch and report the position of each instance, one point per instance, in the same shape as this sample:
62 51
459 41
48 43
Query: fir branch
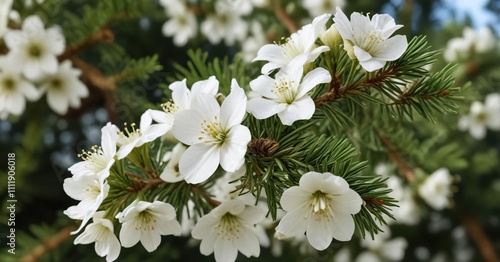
48 244
203 194
287 21
395 156
104 35
478 235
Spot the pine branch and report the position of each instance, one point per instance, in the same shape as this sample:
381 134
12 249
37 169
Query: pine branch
202 193
285 19
478 235
395 157
49 244
104 35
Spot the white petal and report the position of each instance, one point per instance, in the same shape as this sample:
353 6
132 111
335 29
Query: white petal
114 249
263 85
263 108
181 94
209 86
334 185
342 227
372 65
225 251
343 25
58 102
150 240
392 48
349 203
294 223
232 152
234 106
312 79
272 53
361 54
29 90
293 197
311 181
247 243
49 63
199 162
252 215
301 109
477 131
129 236
187 126
204 227
208 244
319 233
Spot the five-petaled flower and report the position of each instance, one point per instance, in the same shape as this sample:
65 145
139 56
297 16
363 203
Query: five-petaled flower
368 40
322 205
214 133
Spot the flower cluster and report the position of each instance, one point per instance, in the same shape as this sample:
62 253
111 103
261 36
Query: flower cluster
472 43
33 61
207 136
482 117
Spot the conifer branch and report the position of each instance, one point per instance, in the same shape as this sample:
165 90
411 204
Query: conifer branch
287 21
48 244
395 156
203 194
105 35
482 241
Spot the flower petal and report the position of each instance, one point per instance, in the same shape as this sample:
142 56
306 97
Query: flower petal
234 107
301 109
392 48
263 108
199 162
319 233
312 79
225 250
232 152
349 203
209 86
294 223
342 226
263 85
293 197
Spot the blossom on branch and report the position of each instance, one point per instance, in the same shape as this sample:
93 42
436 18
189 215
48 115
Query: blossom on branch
15 90
147 222
482 116
322 205
369 40
214 133
229 228
102 233
435 190
287 94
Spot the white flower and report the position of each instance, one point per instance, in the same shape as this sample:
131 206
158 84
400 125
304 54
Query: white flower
64 88
29 3
370 39
252 44
226 24
35 49
300 43
182 26
407 212
101 158
229 228
181 99
91 191
435 190
482 116
147 222
382 248
322 205
102 233
171 173
286 95
223 190
214 133
472 42
318 7
14 90
5 6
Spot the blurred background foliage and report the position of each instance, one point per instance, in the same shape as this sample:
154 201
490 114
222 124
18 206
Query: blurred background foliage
46 144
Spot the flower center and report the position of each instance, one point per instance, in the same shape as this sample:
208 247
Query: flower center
373 39
56 84
145 221
35 51
291 49
93 190
284 91
320 205
129 135
95 159
8 84
212 132
482 117
170 107
229 227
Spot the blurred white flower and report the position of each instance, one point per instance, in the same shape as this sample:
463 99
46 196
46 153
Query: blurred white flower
435 190
286 94
407 212
223 190
229 228
102 233
382 247
322 205
99 160
370 39
14 90
225 24
34 48
29 3
64 88
472 42
482 116
318 7
182 26
253 43
147 222
5 7
214 133
301 43
171 173
90 191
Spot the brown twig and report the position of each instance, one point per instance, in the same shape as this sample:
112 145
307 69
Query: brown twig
49 244
287 21
482 241
395 156
105 35
205 195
